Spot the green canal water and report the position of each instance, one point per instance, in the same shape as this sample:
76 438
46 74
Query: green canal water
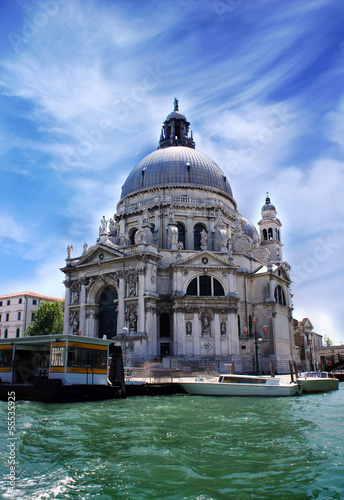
178 447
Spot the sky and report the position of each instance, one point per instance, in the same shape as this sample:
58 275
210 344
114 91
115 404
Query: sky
85 86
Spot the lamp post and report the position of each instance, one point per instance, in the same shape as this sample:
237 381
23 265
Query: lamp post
256 338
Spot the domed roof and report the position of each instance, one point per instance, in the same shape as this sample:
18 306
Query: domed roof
250 230
176 115
176 166
268 205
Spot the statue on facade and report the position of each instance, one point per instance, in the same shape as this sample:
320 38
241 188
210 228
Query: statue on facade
122 239
223 328
205 325
145 217
104 226
176 105
188 328
69 251
204 238
171 214
131 288
85 247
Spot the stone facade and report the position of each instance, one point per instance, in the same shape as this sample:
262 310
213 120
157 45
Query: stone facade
179 272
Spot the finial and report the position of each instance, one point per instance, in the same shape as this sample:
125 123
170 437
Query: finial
267 199
176 104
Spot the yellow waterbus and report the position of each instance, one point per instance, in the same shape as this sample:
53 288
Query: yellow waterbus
60 368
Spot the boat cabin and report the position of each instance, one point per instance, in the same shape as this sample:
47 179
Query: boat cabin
73 359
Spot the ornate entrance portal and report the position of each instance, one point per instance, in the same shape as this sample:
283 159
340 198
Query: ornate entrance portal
108 312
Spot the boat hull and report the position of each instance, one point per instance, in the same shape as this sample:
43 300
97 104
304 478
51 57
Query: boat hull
53 391
227 389
311 385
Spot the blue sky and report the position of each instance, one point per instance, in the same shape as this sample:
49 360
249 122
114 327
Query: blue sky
86 84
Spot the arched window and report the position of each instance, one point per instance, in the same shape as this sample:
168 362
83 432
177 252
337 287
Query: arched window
265 235
108 312
197 236
205 286
181 233
164 329
279 296
132 233
270 234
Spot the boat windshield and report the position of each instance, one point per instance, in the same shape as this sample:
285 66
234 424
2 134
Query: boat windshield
230 379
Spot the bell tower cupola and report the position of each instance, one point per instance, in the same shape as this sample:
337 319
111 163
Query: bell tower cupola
175 130
269 227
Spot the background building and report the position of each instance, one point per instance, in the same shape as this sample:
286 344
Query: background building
179 272
17 310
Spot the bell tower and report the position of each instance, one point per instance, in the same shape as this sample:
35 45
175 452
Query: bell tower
269 227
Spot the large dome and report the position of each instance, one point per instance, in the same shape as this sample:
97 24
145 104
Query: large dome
176 166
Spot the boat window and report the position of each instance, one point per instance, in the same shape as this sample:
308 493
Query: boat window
58 356
6 358
86 358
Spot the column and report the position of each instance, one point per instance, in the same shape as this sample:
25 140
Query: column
66 324
82 318
121 304
141 302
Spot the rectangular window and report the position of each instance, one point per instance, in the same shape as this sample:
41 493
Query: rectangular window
58 356
5 334
19 316
20 301
18 333
0 303
6 358
34 302
32 316
86 358
8 302
7 317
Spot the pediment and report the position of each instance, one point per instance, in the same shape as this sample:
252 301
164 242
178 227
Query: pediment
283 271
100 253
205 258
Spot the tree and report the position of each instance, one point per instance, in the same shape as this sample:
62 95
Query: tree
48 320
327 341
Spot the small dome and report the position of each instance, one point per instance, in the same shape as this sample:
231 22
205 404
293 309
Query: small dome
250 230
176 115
268 205
176 166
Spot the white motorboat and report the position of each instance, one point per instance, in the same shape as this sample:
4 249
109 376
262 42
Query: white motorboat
240 385
317 382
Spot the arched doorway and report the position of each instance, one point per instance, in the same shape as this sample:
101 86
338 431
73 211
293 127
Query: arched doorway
108 312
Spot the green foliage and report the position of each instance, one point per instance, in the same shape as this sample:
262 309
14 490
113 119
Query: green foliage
327 341
48 320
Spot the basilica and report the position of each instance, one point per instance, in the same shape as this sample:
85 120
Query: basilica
178 272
